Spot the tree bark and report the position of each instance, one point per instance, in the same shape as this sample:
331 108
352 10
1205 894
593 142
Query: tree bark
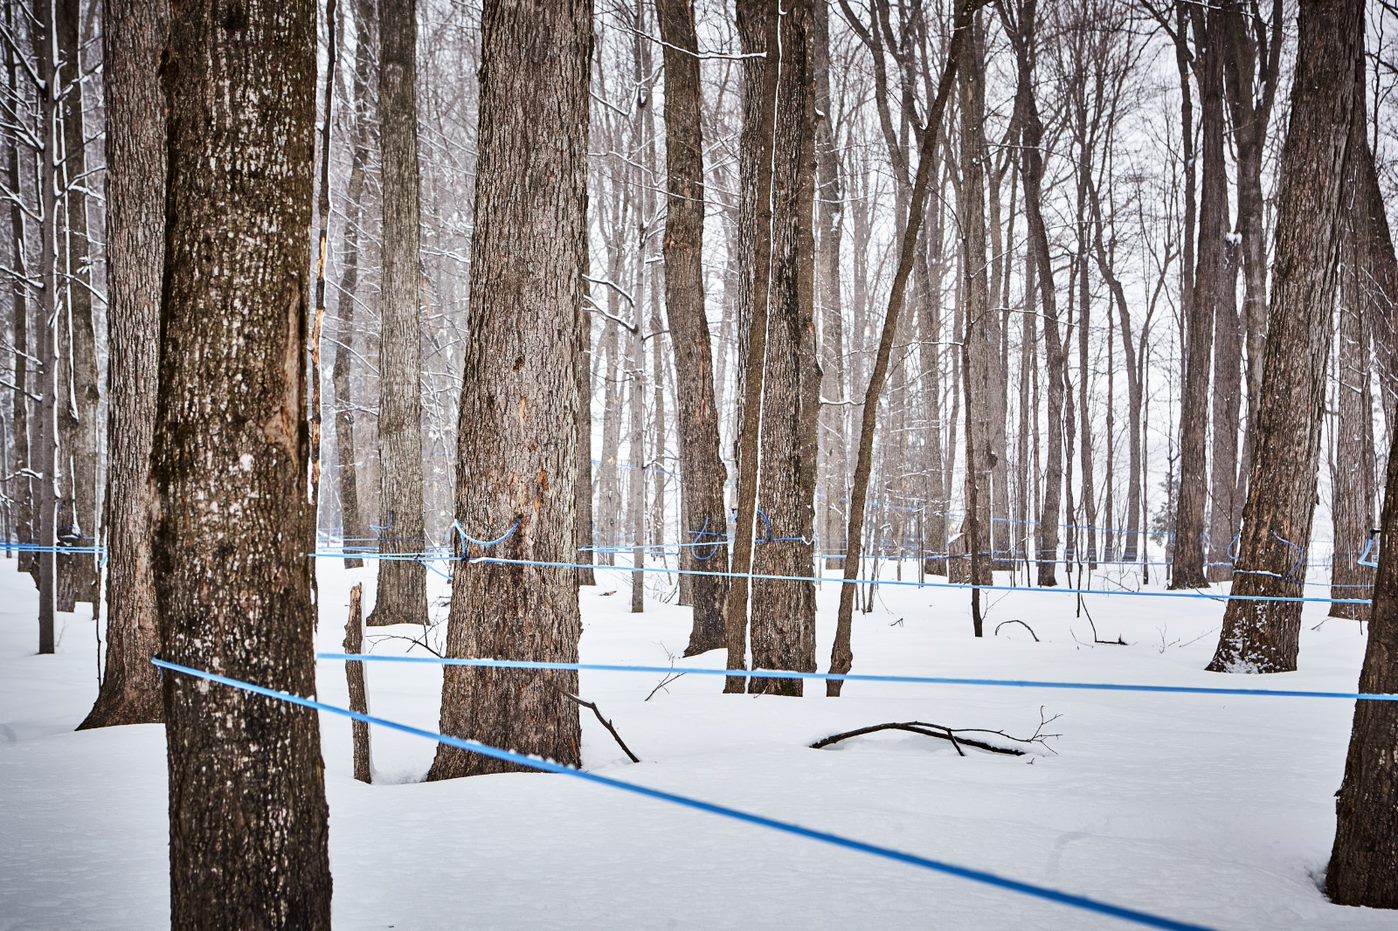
24 488
1251 72
1352 462
517 435
1024 37
1318 164
1215 286
354 682
757 33
134 35
1180 34
584 536
701 466
352 525
834 382
783 613
46 462
402 583
981 336
78 394
1193 547
1366 830
248 818
842 653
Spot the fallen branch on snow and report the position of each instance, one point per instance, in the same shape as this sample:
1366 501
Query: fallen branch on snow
605 723
956 735
1020 623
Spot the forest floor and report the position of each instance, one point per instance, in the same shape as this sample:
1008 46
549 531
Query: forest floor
1215 810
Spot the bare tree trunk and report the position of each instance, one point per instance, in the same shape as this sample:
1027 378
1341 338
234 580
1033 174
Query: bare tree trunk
517 437
608 478
78 396
701 466
1352 467
1187 568
842 654
1253 61
352 522
981 336
134 34
1319 162
321 258
402 583
354 681
20 425
46 461
783 613
584 537
1024 36
248 818
834 383
636 435
1366 830
1135 396
643 144
758 31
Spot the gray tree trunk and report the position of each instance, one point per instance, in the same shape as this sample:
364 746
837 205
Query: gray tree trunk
402 583
352 524
1366 830
1317 165
134 34
517 436
24 488
701 466
1024 37
757 32
783 613
982 322
248 818
78 393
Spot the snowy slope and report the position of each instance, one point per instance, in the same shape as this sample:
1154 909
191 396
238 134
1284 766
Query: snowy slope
1217 810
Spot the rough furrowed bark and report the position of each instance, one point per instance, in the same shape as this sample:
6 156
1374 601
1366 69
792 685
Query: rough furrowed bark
1366 831
401 597
783 613
518 433
1318 164
701 467
248 817
757 31
134 33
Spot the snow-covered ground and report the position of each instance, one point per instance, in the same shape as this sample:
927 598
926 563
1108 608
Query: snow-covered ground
1216 810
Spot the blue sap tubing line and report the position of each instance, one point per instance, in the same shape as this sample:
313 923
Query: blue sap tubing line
856 677
1143 919
1220 596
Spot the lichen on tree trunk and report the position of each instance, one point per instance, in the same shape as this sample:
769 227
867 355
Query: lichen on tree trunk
248 816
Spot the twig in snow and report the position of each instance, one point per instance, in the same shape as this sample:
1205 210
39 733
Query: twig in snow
939 731
1020 623
605 723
